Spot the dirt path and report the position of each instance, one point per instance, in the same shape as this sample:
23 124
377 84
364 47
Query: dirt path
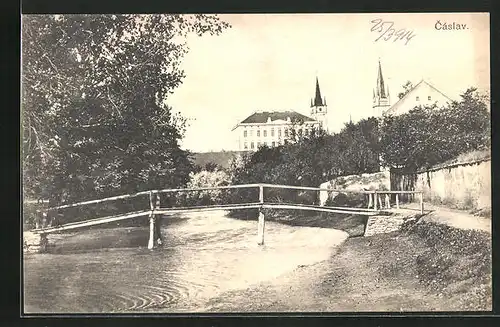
452 217
390 272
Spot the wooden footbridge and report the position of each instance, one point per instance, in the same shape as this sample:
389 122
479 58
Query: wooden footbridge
375 206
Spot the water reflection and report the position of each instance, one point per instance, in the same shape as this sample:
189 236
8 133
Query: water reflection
204 254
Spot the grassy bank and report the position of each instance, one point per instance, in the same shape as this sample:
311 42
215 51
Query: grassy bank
423 267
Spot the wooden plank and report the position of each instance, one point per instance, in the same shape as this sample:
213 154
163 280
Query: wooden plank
208 188
422 203
314 188
399 192
151 241
327 207
260 228
120 197
208 208
323 209
126 196
91 222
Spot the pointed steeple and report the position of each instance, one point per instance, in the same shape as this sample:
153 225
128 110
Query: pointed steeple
317 99
381 97
380 82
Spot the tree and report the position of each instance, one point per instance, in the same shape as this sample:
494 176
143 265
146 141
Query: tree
427 136
359 146
406 88
94 114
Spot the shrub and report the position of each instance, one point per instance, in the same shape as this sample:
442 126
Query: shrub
207 179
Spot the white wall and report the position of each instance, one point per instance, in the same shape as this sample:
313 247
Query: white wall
419 97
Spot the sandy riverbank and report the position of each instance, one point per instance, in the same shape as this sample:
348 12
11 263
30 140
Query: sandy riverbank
425 267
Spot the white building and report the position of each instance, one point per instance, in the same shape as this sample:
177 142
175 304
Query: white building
273 128
422 94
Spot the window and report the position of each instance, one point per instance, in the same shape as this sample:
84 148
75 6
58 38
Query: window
258 133
429 98
274 143
252 145
258 144
251 133
272 132
279 132
265 133
246 146
244 133
286 132
418 98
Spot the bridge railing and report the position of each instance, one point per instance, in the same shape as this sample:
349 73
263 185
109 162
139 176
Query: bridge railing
375 199
143 203
155 203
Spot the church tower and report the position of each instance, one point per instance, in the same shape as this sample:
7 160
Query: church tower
319 109
381 97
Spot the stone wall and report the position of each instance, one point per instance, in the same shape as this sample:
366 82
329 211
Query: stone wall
388 223
461 185
373 181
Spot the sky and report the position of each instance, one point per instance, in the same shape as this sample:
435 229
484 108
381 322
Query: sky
270 62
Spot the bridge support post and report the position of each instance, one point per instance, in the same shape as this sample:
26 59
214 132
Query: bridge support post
151 242
44 242
260 227
370 200
261 223
387 201
422 203
397 201
375 200
158 237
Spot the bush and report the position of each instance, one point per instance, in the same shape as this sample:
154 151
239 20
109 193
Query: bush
207 179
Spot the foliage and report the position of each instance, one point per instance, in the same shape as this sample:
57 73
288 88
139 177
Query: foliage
308 161
205 178
428 135
406 88
94 118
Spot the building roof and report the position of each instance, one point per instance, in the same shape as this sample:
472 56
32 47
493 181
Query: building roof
318 102
380 90
262 117
420 84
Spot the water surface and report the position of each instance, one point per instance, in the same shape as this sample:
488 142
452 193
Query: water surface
204 255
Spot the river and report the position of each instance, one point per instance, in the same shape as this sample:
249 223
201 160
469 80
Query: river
204 255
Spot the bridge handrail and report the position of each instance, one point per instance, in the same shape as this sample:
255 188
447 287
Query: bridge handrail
260 185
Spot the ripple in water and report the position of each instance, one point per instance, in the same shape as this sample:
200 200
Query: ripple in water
204 255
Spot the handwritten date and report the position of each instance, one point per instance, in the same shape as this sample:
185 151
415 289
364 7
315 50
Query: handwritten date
386 31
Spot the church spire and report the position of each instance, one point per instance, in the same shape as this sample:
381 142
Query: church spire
317 99
380 82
